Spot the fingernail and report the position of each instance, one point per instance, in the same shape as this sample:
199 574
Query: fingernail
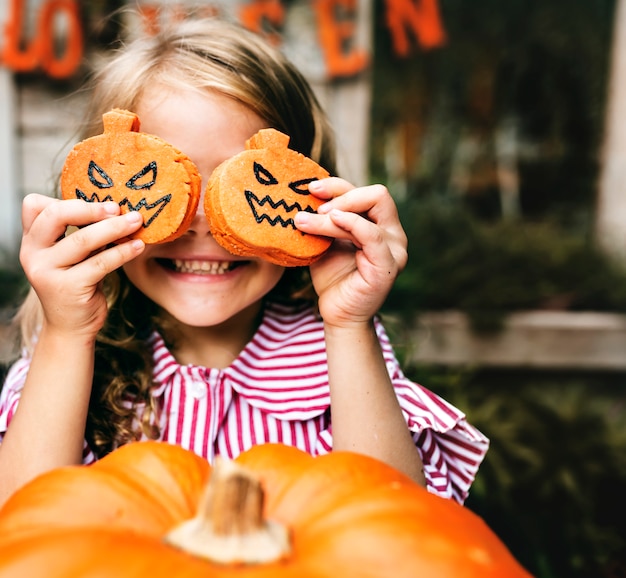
111 208
323 209
302 217
315 186
137 244
133 216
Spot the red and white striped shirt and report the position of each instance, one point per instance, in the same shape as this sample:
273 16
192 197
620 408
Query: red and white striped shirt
277 391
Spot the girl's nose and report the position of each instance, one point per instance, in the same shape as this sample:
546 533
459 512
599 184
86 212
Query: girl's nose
199 225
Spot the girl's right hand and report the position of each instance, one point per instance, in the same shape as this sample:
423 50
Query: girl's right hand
66 271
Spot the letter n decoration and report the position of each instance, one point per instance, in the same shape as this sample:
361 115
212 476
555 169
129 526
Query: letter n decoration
421 17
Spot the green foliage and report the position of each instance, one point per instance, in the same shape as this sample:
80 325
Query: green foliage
553 480
490 269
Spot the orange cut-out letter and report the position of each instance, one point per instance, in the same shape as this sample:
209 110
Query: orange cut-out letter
149 14
421 16
255 14
67 63
337 31
18 53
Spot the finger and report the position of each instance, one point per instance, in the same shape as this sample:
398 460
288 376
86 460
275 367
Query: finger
326 226
373 201
32 206
329 188
321 225
53 218
377 246
83 242
93 269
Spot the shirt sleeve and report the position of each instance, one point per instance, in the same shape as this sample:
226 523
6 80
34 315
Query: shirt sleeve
451 449
10 396
11 393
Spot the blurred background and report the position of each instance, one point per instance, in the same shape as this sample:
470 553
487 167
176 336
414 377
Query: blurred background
500 129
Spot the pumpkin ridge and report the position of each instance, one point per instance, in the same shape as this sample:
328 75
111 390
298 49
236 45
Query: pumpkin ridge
329 479
278 467
367 531
118 553
37 505
185 472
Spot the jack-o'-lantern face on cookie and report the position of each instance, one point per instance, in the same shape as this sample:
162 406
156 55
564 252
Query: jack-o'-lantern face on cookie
139 171
252 198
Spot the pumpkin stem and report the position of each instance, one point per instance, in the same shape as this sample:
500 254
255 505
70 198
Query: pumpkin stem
229 525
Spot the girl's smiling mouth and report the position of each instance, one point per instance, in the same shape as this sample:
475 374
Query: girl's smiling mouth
199 267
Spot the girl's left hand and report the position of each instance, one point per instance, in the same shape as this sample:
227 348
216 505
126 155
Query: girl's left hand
354 277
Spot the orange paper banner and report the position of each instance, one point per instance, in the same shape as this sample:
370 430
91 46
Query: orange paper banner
28 54
255 15
335 20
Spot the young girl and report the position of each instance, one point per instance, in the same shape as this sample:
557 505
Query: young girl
186 343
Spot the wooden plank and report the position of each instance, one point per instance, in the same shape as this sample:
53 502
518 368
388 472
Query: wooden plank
529 339
10 225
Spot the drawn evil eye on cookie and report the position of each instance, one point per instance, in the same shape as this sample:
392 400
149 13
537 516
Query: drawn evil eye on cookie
251 200
139 171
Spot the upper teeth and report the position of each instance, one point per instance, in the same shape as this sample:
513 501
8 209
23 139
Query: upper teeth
202 267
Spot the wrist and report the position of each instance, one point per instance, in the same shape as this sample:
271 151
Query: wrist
58 338
352 329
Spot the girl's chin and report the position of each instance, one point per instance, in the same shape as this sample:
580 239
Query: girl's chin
225 312
196 320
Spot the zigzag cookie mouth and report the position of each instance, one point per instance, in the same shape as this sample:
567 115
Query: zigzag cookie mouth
274 212
150 209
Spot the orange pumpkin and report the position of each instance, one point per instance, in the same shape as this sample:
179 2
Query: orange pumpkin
343 514
251 199
140 171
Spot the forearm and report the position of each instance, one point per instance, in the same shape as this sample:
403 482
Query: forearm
48 428
365 411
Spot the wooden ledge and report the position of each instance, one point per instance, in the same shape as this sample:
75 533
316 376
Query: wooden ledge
530 339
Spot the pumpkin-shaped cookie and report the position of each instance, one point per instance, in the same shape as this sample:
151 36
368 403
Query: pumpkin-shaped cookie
252 198
139 171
